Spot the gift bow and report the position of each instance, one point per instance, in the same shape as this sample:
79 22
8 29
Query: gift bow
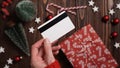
63 9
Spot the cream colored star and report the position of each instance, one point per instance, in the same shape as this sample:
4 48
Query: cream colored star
118 6
10 61
31 30
6 66
117 45
111 11
95 9
37 20
91 3
2 50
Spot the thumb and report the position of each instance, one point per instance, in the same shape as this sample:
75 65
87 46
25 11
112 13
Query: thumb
48 52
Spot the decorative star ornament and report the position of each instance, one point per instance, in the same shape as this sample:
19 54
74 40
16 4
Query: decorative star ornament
2 50
91 3
111 11
37 20
31 30
118 6
95 9
6 66
10 61
117 45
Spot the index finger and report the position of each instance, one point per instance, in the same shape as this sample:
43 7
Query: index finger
35 47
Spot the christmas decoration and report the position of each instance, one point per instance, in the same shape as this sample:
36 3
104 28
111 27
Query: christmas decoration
117 45
10 61
6 66
9 1
37 20
2 50
114 34
31 30
85 49
5 12
105 18
26 10
5 4
18 37
49 17
18 58
118 6
111 11
115 21
95 9
63 9
91 3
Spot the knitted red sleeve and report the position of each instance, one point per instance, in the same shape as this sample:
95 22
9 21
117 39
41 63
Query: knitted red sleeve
54 65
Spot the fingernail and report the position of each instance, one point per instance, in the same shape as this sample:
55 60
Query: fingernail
47 40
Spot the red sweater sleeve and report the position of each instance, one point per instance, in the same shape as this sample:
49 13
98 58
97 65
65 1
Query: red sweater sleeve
54 65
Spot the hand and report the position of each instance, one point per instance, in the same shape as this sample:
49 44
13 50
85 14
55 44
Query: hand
42 53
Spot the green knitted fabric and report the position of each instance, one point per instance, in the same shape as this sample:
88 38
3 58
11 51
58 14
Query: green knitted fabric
18 37
25 10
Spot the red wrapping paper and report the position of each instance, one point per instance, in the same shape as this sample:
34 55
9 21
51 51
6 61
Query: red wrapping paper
85 49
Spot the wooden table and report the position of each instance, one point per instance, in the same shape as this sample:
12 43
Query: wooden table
83 17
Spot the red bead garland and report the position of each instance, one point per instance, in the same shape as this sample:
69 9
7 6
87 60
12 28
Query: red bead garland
4 6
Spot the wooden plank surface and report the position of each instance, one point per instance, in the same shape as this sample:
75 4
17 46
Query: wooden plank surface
83 17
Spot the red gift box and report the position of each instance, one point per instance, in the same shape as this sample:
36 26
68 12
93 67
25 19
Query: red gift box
85 49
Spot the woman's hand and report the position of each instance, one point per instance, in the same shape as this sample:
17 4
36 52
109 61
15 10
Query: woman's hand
42 53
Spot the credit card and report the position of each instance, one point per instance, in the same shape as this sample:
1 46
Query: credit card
56 27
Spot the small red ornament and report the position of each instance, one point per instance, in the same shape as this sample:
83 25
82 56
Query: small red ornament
50 17
114 34
5 11
105 18
18 58
9 1
5 4
115 21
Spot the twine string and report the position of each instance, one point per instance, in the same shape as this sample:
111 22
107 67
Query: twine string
60 8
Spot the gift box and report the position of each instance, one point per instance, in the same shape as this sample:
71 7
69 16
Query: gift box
85 49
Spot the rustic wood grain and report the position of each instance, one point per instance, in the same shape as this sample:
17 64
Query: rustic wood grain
83 17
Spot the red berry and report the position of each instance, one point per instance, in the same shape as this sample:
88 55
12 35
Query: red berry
5 11
49 17
9 1
18 58
4 4
114 34
105 18
116 21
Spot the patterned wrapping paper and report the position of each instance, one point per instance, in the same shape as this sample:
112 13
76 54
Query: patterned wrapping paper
85 49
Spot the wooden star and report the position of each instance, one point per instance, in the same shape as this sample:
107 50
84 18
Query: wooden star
111 11
2 50
37 20
31 30
95 9
91 3
118 6
117 45
6 66
10 61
